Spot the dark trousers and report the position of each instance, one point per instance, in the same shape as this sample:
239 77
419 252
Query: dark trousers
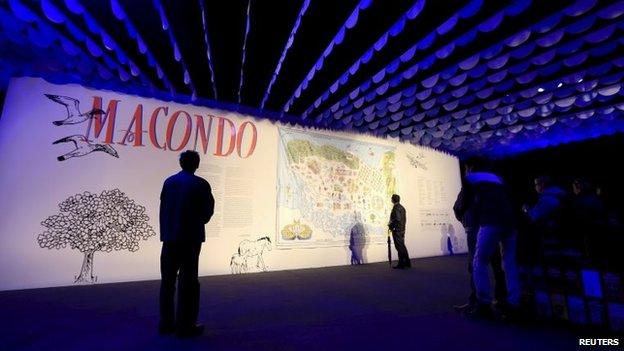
399 244
179 261
500 290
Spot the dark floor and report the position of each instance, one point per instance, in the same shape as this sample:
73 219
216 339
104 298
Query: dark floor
368 307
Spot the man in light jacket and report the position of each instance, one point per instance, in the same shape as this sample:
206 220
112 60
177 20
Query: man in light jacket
494 214
464 209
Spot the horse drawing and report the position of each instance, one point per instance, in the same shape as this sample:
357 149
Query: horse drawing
238 264
248 249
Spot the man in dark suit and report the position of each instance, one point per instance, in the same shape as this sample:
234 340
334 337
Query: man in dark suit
397 226
186 205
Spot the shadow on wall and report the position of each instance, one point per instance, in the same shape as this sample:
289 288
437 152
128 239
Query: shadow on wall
448 239
357 241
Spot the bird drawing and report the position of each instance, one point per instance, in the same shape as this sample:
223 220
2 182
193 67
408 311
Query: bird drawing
74 116
83 147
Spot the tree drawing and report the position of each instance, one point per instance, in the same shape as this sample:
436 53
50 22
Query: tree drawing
90 223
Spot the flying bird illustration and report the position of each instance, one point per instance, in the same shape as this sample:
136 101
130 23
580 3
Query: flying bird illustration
74 116
83 147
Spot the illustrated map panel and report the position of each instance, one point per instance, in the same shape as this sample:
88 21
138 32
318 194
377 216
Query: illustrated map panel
327 186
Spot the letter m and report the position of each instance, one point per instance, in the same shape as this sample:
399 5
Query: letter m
99 120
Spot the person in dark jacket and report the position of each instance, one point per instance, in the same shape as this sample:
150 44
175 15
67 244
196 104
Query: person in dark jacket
186 205
586 217
464 210
586 208
397 226
547 212
494 214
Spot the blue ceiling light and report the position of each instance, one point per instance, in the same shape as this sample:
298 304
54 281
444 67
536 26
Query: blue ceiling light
244 52
350 23
558 134
120 14
38 29
612 11
423 44
22 12
52 12
176 51
428 61
74 6
562 105
109 44
496 63
602 94
529 111
56 16
395 30
580 7
211 70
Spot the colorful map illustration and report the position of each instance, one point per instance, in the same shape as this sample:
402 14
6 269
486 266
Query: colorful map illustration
328 185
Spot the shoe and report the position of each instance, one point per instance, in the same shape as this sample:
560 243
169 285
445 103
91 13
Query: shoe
190 331
480 311
166 328
463 308
398 266
499 305
511 313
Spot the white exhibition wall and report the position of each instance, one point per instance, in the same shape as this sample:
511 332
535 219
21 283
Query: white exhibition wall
80 196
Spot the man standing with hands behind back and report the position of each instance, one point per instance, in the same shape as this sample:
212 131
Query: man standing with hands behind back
397 226
186 205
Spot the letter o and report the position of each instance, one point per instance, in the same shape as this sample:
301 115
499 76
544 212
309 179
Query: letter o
239 139
171 127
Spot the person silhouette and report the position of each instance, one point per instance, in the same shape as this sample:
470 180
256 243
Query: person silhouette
465 211
397 226
357 241
496 221
186 205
